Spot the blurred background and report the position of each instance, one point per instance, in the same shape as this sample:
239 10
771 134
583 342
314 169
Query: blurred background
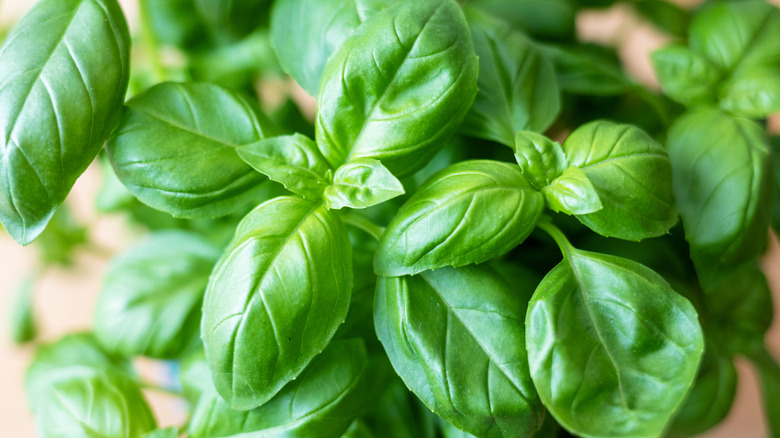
65 296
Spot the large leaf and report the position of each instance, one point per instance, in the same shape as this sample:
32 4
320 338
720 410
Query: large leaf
455 336
275 298
398 87
176 153
623 361
151 299
468 213
63 74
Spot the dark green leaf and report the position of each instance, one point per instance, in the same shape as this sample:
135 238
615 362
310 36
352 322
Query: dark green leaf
398 87
176 153
291 160
358 429
150 302
238 64
665 15
545 18
399 414
173 22
232 19
572 193
361 183
541 160
63 74
22 317
588 69
775 144
769 378
456 339
454 219
275 298
685 76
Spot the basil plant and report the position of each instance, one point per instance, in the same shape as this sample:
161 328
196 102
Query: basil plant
486 228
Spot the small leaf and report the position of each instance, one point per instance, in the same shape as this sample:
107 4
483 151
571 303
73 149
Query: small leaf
361 183
292 160
685 76
753 93
23 326
541 160
572 193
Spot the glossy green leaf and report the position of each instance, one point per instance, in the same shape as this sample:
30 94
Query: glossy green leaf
305 33
361 183
151 299
572 193
685 76
176 153
753 93
517 86
291 160
450 431
455 336
168 432
632 176
588 69
541 160
321 402
722 185
398 87
23 328
63 74
275 298
468 213
545 18
625 357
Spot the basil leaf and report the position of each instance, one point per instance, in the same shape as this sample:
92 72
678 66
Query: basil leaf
685 76
168 432
305 33
572 193
632 176
456 339
358 430
588 69
450 431
61 239
173 22
322 401
722 184
545 18
775 145
753 93
399 414
291 160
150 302
769 378
665 15
64 70
517 86
275 298
626 357
361 183
398 87
452 220
541 160
23 327
230 20
178 155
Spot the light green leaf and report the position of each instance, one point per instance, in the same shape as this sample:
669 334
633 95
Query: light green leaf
398 87
572 193
292 160
150 302
168 432
22 317
685 76
275 299
453 219
541 160
753 93
455 336
177 154
63 74
361 183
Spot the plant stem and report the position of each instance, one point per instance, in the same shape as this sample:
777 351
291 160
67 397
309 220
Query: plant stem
546 225
364 224
151 42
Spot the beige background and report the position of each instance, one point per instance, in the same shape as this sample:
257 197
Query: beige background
65 298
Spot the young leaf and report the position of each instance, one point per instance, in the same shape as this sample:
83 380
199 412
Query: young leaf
685 76
455 336
292 160
23 327
454 219
150 302
627 354
63 74
517 86
275 298
754 92
361 183
632 177
572 193
541 160
177 154
398 87
722 185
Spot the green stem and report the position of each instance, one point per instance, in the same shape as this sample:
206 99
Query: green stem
546 225
364 224
151 42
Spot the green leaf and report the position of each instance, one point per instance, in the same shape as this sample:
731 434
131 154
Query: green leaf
292 160
632 177
177 154
722 185
628 353
665 15
753 93
61 239
769 378
398 87
361 183
22 316
358 429
305 33
275 298
151 299
399 414
775 145
456 339
63 74
173 22
572 193
552 19
588 69
541 160
233 19
454 219
168 432
322 401
517 86
685 76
